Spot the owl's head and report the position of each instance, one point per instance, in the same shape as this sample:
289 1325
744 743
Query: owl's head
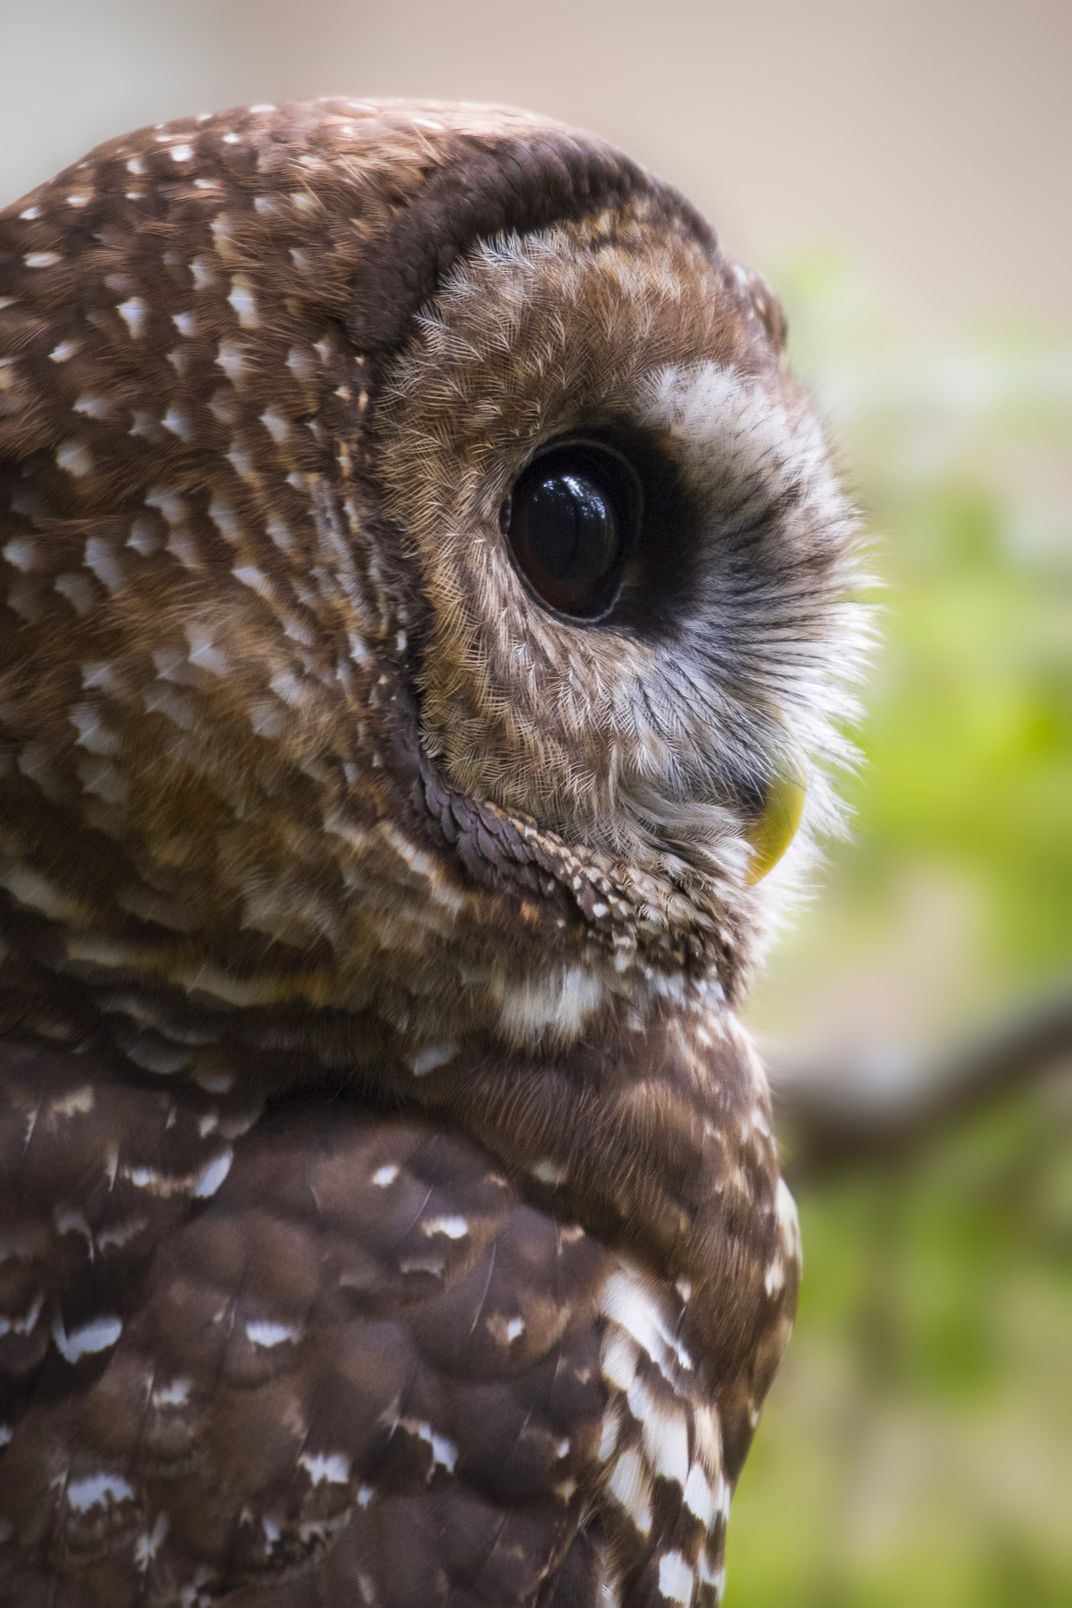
421 579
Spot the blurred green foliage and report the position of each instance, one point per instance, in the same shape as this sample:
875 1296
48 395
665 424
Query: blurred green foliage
918 1445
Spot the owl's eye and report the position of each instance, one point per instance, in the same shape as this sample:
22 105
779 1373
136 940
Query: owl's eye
571 519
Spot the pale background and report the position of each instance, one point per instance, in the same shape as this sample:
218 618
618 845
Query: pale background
901 173
929 138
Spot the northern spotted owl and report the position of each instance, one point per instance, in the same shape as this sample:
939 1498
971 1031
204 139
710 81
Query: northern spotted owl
425 608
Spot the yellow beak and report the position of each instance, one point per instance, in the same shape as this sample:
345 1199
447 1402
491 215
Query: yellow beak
772 834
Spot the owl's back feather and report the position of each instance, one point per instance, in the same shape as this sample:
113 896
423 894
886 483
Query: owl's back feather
324 1356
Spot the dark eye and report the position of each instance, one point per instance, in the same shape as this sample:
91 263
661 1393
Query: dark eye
570 520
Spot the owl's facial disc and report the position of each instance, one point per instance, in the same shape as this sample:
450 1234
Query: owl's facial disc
633 551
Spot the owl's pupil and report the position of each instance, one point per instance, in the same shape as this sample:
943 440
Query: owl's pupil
569 521
571 527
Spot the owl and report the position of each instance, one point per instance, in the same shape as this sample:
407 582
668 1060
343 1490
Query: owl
426 614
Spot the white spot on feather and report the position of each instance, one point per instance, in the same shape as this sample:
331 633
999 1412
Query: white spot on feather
265 720
176 1393
630 1303
133 312
121 1234
561 1001
241 461
546 1171
300 364
444 1451
231 359
279 533
20 551
276 424
676 1580
666 1442
69 1220
97 1335
78 1103
326 1468
515 1328
431 1057
699 1496
77 589
92 407
630 1487
266 1334
149 1542
786 1211
204 651
35 892
244 302
24 1322
254 578
73 457
93 735
213 1175
609 1433
102 561
178 423
224 518
98 1490
774 1278
452 1227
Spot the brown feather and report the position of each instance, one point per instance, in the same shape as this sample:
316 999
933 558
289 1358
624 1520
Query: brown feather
389 1212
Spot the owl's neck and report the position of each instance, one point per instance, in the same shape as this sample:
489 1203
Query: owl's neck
649 1129
161 1007
309 937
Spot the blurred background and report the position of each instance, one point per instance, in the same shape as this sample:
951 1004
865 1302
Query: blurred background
900 172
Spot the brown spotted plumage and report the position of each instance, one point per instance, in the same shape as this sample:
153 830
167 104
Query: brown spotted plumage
389 1211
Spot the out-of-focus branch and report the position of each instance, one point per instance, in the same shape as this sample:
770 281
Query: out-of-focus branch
840 1119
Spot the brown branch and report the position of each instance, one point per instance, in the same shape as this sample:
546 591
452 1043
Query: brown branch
840 1119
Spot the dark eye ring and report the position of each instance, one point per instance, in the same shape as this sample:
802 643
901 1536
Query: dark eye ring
571 519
